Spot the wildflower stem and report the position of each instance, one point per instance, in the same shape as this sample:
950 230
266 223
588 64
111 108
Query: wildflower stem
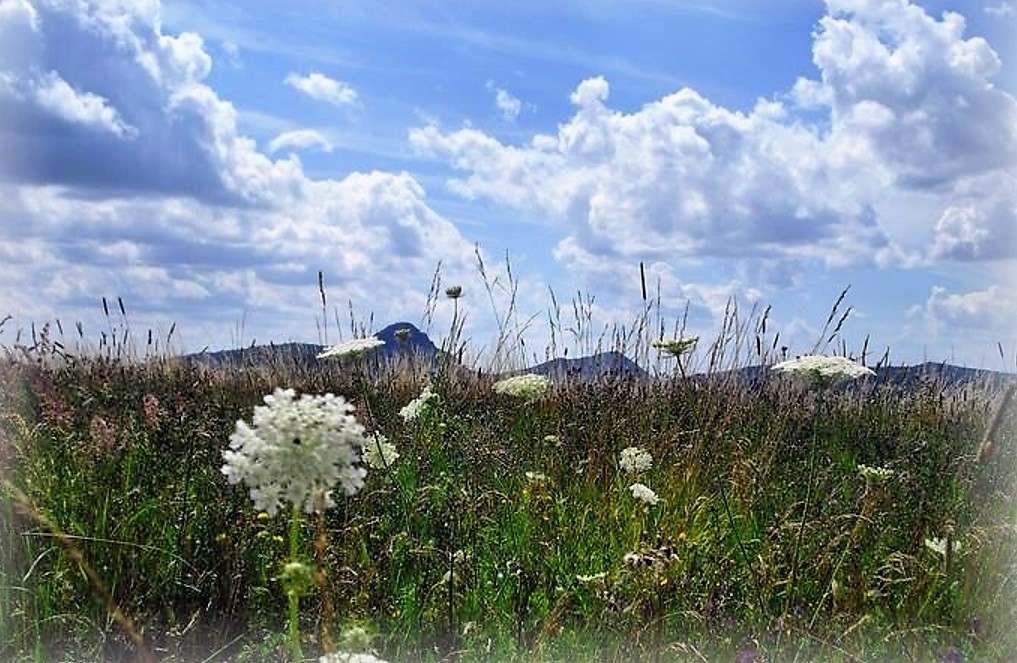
808 499
292 593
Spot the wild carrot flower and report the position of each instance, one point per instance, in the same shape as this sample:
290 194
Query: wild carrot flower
938 546
412 410
644 494
676 347
379 453
529 386
634 460
354 348
824 369
874 475
536 477
454 292
346 657
296 450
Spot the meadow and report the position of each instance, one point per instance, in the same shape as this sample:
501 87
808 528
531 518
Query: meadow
782 517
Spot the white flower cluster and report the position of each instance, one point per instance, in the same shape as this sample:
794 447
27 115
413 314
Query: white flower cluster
876 475
413 409
676 347
938 546
379 453
354 348
825 368
296 450
536 477
644 494
529 386
346 657
634 460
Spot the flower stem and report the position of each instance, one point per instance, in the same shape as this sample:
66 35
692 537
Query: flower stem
293 625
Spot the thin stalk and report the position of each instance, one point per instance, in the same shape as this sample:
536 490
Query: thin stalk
808 500
292 594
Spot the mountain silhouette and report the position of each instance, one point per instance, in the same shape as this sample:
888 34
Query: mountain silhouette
413 342
927 374
415 345
602 364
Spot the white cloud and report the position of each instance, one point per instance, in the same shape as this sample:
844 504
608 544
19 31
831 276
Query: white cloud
55 95
679 178
980 224
1000 10
980 310
300 139
19 26
914 90
911 108
188 220
318 86
232 52
507 104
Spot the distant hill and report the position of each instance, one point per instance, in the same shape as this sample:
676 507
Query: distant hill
604 364
928 373
416 343
945 374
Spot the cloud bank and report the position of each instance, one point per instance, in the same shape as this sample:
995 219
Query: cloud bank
138 184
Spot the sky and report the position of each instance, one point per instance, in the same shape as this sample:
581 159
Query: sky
202 162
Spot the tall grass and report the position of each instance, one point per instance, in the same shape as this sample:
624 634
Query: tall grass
506 530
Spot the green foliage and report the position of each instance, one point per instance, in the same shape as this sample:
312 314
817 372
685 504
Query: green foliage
454 548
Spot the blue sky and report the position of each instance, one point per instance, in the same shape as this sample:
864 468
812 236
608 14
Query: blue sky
203 161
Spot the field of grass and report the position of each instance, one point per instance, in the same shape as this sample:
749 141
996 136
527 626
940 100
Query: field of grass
506 529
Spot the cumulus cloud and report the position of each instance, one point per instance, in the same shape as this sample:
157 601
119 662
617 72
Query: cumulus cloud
138 184
55 95
92 75
681 177
913 89
300 139
910 107
319 86
980 223
975 310
19 25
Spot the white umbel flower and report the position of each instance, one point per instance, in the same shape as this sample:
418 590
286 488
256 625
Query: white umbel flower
940 546
529 386
296 450
354 348
676 347
644 494
412 410
634 460
828 369
379 453
347 657
875 475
